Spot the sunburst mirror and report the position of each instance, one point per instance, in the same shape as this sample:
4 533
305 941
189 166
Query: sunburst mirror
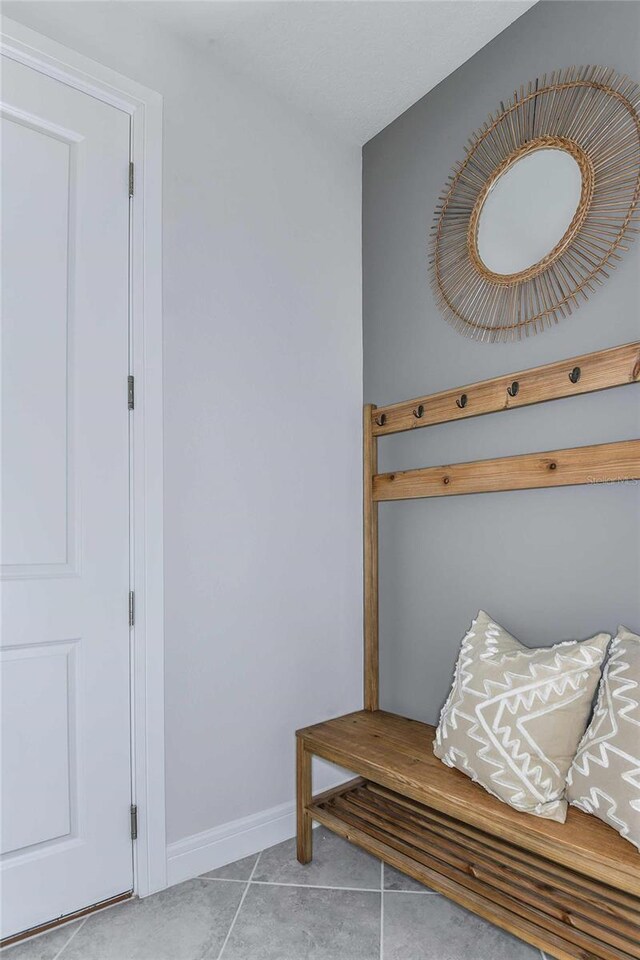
534 217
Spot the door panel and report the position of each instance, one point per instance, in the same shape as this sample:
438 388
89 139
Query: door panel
37 682
35 519
64 657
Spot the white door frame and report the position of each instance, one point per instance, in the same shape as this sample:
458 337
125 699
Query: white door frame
144 106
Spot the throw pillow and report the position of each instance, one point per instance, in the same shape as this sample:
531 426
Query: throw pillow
515 715
604 778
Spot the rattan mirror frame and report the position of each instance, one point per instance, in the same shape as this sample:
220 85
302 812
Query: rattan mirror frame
593 114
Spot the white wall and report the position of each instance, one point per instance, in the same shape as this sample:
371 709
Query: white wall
263 388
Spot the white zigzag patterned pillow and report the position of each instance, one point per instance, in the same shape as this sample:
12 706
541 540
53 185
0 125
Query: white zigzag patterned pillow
605 776
515 715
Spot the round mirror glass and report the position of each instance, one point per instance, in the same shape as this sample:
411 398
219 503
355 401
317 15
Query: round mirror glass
528 210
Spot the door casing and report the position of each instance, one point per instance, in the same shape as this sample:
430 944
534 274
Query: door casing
144 107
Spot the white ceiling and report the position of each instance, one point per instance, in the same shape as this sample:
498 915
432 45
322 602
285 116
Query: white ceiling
354 64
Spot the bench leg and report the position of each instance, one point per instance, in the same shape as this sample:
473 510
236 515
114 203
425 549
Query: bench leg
303 799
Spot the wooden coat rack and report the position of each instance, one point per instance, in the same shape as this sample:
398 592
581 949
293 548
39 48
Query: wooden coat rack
570 889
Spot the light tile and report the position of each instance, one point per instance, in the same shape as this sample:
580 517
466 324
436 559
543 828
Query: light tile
240 870
395 880
294 923
186 922
45 947
433 928
336 863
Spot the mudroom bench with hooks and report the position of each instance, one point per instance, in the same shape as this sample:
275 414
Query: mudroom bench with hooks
571 889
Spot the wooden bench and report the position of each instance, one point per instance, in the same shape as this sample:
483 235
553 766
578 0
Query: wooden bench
571 889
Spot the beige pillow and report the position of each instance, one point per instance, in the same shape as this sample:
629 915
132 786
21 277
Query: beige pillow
515 716
605 776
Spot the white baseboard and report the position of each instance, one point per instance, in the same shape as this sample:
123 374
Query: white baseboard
201 852
230 841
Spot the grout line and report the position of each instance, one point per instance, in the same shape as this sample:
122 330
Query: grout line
314 886
67 942
382 910
321 886
222 880
255 866
244 893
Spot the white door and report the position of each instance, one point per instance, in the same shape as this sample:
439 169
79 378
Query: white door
65 764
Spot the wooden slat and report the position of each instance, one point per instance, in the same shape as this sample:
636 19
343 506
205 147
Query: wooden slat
583 915
614 903
558 947
370 525
512 897
397 754
598 371
439 859
330 793
600 463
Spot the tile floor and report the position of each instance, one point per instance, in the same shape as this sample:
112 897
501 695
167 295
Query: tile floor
345 905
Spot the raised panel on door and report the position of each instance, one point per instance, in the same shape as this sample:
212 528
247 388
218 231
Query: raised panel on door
38 746
64 541
37 266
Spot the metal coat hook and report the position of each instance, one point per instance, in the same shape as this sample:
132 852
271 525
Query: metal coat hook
381 420
513 389
462 401
574 376
418 411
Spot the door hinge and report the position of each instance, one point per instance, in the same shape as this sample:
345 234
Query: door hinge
131 178
132 608
131 392
134 821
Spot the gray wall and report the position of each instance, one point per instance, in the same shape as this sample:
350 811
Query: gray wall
551 564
